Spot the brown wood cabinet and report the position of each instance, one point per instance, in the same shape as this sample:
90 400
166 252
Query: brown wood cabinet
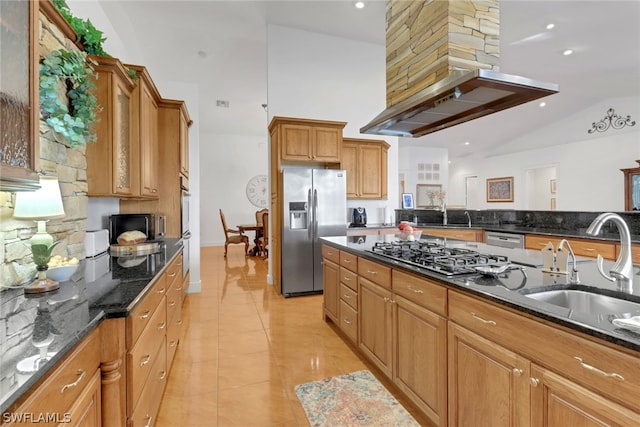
581 247
375 338
185 123
296 141
365 161
456 233
110 160
145 98
71 391
19 106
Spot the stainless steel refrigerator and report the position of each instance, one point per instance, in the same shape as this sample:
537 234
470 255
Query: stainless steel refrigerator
315 205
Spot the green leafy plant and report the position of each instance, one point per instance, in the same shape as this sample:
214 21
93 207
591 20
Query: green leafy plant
73 120
90 37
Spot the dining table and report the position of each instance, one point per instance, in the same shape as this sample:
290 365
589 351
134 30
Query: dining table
258 229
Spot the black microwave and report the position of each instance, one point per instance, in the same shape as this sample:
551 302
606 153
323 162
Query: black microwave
152 225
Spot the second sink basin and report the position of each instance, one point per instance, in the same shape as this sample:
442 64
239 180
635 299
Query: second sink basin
586 302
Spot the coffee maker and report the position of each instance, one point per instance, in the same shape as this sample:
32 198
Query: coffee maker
359 217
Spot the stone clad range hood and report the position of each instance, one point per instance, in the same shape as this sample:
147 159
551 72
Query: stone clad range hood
442 68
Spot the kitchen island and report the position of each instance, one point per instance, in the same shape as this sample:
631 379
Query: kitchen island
56 325
472 345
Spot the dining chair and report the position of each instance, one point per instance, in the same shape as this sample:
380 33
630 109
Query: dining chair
259 221
233 236
263 241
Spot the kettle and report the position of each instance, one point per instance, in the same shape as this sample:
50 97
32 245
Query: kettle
359 217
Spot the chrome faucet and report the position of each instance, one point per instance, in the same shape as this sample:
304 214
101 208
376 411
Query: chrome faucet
562 266
444 213
469 217
622 270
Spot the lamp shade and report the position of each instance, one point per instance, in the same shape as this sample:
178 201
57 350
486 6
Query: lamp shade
44 203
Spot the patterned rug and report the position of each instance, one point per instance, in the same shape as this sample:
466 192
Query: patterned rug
355 399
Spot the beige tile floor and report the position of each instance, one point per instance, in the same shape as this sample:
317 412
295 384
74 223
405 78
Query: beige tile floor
244 348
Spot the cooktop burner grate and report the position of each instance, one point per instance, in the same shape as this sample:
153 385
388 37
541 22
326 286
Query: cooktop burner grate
437 257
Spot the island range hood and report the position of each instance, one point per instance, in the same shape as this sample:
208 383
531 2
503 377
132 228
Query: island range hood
457 98
442 67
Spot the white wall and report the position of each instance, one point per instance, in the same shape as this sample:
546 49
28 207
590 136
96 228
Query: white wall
409 159
588 169
322 77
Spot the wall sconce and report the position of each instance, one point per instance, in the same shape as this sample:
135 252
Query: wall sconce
40 206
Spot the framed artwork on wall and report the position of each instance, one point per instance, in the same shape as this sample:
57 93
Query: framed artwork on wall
500 189
553 186
407 201
427 195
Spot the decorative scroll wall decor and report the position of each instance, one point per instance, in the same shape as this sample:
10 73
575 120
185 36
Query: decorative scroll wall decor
611 120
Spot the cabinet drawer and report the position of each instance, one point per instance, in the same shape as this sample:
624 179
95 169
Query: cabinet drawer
349 278
173 337
330 253
174 271
59 392
607 371
349 296
349 261
140 358
142 312
421 291
146 411
349 321
375 272
581 247
174 298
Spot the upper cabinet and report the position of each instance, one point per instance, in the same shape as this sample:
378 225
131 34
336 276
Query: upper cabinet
145 124
19 110
365 161
110 160
308 141
185 122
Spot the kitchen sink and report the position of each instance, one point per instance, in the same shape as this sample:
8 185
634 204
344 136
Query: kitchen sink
586 302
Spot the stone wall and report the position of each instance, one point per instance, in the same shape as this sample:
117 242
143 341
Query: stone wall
70 166
428 39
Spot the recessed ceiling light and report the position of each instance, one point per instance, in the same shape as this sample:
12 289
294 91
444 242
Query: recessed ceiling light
567 52
542 104
550 26
359 5
467 143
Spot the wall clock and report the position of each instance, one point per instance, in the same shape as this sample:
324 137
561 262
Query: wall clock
257 191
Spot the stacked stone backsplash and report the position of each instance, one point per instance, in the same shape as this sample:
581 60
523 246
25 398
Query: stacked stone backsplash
70 166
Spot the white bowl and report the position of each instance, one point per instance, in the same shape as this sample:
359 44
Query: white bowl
61 273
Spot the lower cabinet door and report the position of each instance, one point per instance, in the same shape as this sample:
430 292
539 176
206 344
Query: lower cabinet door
86 411
420 349
559 402
374 337
488 384
330 283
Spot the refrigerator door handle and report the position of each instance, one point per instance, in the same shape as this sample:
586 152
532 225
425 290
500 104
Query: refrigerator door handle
315 218
309 216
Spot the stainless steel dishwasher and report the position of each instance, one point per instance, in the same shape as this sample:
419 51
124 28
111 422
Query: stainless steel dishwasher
504 240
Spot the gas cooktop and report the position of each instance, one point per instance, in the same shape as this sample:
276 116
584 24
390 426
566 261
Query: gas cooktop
437 257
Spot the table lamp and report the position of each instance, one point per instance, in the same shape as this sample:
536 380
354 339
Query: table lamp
41 205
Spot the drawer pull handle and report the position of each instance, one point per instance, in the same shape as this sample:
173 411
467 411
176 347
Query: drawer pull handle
161 291
489 322
347 261
372 272
534 382
589 249
417 291
172 274
161 325
75 383
599 371
148 423
179 322
145 314
346 279
172 343
145 359
163 375
517 372
347 321
179 289
172 303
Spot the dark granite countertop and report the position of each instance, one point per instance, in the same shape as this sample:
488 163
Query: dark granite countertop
102 287
510 288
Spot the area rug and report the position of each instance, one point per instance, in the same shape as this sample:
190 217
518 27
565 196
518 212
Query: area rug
355 399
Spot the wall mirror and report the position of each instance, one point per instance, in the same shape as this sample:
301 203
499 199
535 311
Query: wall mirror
632 188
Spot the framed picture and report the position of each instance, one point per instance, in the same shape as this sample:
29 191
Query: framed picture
500 189
553 186
553 203
426 195
407 201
